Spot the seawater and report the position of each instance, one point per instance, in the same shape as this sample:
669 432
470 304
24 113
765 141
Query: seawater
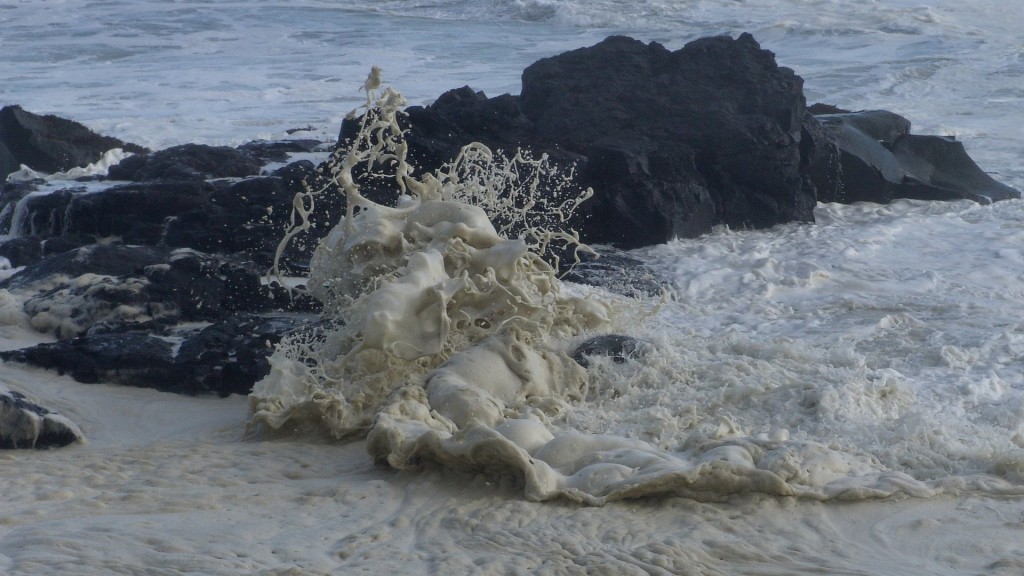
164 73
889 335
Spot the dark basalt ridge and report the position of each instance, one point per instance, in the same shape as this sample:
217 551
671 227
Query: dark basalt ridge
223 358
880 160
49 143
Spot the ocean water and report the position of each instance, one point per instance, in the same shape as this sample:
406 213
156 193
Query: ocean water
842 397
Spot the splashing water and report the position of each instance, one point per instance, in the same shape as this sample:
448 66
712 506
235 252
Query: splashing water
444 340
422 294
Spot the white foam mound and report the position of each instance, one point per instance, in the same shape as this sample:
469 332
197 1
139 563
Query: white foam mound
446 342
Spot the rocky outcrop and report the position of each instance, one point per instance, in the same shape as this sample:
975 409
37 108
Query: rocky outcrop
880 160
673 143
22 250
115 287
49 143
245 217
250 216
119 310
186 162
223 358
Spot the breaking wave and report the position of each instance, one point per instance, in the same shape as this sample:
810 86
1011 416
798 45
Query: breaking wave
446 338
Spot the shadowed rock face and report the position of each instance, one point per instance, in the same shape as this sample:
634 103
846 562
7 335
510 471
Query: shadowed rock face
676 142
880 160
672 142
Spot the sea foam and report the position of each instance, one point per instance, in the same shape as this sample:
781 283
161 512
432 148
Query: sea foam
447 342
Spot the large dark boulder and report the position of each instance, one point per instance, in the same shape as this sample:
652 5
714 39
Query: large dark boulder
672 142
187 162
711 132
49 143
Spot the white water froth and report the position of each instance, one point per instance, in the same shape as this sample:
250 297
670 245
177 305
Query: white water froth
799 374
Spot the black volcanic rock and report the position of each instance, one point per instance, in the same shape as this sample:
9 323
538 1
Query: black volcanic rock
25 424
676 142
247 217
142 287
130 358
710 133
880 160
186 162
22 251
49 143
615 271
136 213
228 357
672 142
615 346
251 216
941 170
110 259
225 358
43 214
11 192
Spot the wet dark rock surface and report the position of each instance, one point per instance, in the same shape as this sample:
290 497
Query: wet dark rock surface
222 358
49 143
880 160
615 346
25 424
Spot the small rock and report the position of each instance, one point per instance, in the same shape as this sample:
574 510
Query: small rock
24 424
619 348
